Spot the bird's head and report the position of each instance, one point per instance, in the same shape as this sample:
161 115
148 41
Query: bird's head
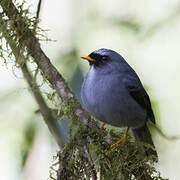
102 56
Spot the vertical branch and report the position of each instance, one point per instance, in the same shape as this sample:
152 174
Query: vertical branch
53 76
51 122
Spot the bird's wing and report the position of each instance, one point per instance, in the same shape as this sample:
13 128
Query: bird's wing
137 91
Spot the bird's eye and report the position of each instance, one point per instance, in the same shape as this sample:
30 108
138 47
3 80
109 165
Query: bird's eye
104 58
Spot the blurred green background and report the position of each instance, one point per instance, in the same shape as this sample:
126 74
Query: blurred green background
145 32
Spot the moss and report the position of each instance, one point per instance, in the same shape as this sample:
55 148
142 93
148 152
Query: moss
122 161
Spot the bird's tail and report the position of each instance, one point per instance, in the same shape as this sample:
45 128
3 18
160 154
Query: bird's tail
142 134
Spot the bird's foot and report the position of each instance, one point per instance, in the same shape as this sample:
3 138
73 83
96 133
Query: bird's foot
102 127
120 140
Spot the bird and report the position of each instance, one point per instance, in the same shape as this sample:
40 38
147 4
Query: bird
113 93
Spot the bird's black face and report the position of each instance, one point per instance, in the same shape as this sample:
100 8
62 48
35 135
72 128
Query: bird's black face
99 57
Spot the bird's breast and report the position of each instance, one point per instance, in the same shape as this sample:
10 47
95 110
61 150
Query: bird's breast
106 98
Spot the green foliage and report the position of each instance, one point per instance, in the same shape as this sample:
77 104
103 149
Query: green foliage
124 161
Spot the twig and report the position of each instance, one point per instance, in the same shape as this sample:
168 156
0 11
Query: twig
38 9
37 15
170 138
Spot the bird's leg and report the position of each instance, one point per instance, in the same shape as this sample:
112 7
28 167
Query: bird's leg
121 140
102 126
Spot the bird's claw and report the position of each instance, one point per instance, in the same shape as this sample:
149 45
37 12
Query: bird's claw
102 127
120 140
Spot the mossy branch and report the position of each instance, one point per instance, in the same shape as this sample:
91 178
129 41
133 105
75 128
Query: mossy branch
44 64
88 152
44 109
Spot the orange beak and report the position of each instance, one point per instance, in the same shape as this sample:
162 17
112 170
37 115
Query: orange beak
88 58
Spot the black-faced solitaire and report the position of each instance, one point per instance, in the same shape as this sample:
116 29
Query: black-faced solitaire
113 93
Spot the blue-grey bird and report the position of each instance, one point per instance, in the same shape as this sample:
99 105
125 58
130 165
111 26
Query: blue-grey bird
113 93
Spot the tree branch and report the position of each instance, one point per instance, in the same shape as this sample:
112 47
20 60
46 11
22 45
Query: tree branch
51 122
44 64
